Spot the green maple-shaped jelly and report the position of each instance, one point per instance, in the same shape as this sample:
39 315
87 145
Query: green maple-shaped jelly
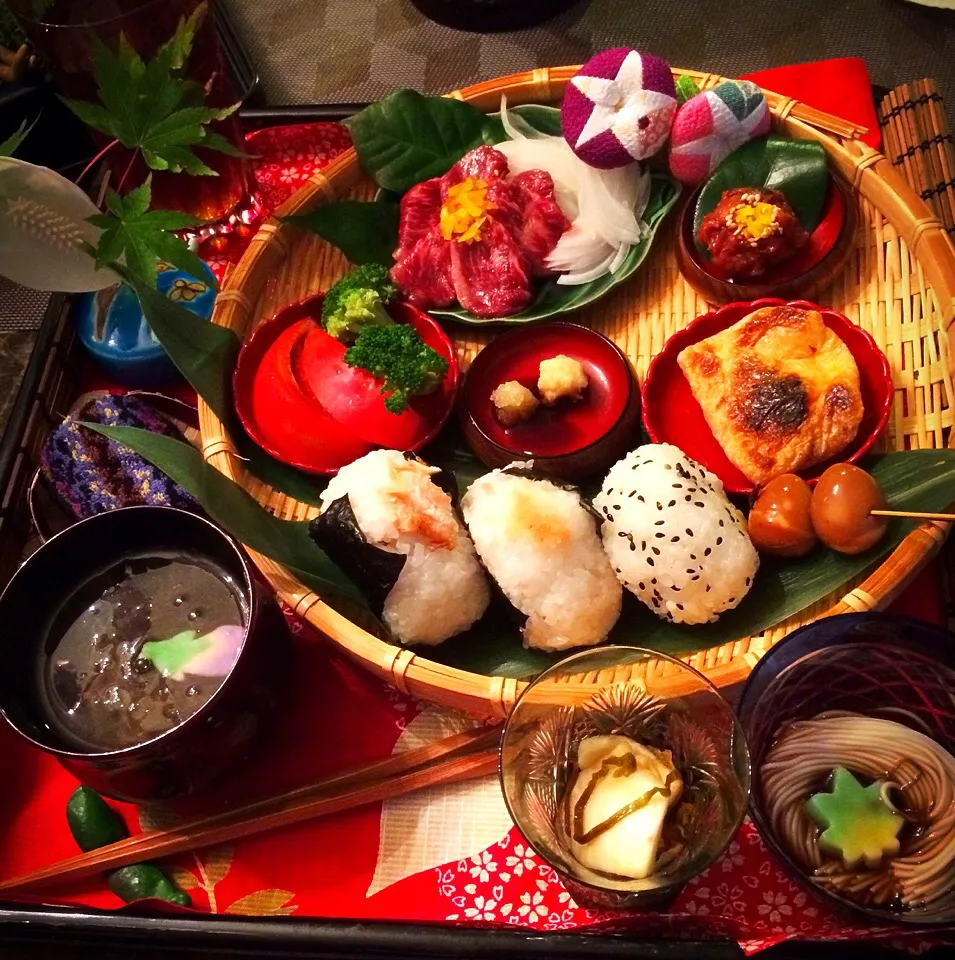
171 656
858 825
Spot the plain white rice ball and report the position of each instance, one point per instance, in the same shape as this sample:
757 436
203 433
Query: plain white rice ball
541 544
673 537
441 590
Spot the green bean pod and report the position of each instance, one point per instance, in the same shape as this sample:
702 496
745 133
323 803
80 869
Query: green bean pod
95 824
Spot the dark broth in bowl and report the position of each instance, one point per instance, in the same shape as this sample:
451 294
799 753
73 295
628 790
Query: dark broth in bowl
99 688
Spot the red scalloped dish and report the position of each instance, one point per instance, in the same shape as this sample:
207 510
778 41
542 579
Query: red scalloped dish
671 413
300 401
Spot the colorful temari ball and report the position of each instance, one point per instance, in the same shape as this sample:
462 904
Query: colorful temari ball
619 108
714 123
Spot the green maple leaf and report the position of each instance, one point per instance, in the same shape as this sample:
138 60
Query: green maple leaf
151 107
140 237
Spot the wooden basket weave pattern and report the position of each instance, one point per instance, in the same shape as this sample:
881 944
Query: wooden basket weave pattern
899 285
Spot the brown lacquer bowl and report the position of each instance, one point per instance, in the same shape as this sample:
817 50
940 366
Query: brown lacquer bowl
573 439
812 270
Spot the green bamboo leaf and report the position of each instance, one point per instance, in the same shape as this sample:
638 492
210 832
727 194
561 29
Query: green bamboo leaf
364 232
285 541
205 354
922 480
9 146
797 168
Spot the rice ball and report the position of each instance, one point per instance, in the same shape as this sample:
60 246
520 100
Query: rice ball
541 544
399 510
673 537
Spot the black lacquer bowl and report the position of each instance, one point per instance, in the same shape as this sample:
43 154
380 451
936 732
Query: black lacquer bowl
198 751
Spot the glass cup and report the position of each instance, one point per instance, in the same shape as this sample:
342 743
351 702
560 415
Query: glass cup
61 30
651 699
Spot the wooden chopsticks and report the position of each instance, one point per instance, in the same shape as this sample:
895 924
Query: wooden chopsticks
919 141
460 757
822 120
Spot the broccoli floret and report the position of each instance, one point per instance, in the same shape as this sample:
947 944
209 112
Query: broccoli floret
397 355
357 301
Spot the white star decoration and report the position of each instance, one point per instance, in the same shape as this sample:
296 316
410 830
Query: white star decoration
619 106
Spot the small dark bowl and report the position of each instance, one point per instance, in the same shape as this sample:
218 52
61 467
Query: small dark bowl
192 755
571 440
809 272
871 663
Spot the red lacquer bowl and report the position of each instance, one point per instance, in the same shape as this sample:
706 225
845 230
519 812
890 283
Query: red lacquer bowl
672 415
814 267
300 402
572 439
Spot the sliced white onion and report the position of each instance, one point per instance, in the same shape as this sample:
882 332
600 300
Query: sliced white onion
576 277
512 125
43 228
605 207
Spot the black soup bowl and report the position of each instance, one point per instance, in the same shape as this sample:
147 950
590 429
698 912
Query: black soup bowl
185 758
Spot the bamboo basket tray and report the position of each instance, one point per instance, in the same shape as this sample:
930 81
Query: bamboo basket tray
899 285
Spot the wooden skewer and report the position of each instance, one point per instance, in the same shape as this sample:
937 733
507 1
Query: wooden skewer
913 515
460 757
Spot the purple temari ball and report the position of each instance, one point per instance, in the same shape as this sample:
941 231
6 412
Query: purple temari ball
618 108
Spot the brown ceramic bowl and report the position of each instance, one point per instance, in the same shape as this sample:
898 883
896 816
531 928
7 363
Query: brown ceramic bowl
829 248
571 440
192 755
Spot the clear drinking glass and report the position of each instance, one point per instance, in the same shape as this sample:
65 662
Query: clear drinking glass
61 30
656 701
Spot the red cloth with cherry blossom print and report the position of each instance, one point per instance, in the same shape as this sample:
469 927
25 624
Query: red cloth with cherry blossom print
355 865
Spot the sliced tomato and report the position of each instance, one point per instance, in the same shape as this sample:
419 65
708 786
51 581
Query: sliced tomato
353 396
287 422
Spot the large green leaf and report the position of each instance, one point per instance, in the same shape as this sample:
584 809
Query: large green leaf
364 232
408 137
205 355
914 480
553 299
797 168
284 541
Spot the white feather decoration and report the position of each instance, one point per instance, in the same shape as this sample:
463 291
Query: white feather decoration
42 230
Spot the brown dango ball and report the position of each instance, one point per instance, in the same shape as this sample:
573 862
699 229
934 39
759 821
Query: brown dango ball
841 509
779 522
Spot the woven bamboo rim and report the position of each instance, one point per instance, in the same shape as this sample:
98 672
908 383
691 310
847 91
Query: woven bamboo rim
900 285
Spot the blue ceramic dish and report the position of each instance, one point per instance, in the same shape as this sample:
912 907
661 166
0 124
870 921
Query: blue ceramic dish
112 327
